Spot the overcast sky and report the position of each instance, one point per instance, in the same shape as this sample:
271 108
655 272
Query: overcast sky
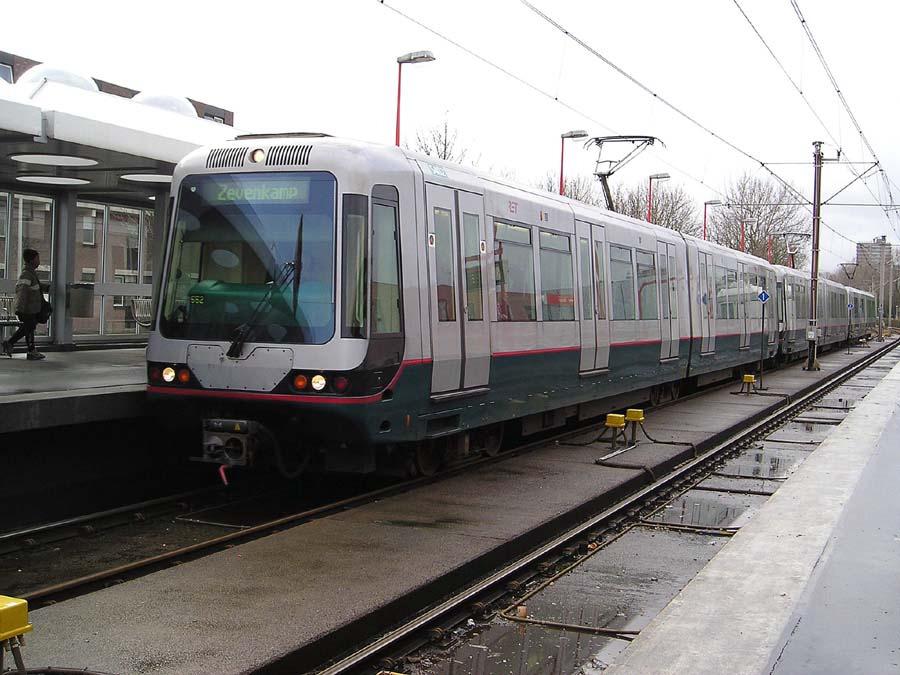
331 66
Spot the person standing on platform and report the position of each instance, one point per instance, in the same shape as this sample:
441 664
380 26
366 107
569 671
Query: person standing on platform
29 299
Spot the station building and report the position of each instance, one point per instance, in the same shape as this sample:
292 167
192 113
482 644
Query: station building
85 168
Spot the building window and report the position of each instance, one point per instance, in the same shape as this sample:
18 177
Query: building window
621 278
88 274
557 288
514 272
6 72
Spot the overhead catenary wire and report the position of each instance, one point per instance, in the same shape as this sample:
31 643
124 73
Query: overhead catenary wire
843 99
799 90
536 89
521 80
681 113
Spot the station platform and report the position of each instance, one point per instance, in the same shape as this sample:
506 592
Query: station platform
811 584
71 387
281 603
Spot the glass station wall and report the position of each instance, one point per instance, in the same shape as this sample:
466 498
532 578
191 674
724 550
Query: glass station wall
26 221
112 251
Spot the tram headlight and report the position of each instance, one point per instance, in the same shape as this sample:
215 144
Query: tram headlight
300 382
257 155
318 382
168 374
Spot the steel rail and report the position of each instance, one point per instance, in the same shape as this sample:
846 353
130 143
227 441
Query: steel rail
70 587
85 519
736 438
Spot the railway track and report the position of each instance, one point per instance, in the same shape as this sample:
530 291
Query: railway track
218 533
216 516
502 591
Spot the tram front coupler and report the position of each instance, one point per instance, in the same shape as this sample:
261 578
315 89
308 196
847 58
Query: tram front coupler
230 442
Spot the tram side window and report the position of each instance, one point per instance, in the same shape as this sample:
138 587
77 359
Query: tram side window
721 293
673 288
704 287
584 257
648 305
621 278
601 279
514 272
472 234
664 288
443 256
557 289
385 271
354 266
732 294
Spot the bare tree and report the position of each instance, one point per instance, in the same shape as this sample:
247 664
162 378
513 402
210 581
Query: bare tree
442 142
771 220
672 206
582 188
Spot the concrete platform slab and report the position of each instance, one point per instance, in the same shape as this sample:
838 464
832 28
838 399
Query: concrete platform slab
823 549
290 597
71 388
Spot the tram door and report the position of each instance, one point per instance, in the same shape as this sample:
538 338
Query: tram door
592 281
706 301
743 289
668 301
460 332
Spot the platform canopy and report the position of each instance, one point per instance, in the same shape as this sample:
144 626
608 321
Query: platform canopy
59 132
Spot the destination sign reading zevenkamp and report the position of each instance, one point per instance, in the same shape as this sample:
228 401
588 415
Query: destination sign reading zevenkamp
256 192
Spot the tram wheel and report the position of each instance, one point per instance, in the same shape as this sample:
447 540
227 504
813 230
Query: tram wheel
489 440
427 458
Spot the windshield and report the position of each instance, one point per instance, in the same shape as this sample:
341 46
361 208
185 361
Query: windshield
253 250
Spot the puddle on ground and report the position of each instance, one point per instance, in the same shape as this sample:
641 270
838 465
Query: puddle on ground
513 649
768 461
806 433
709 509
622 586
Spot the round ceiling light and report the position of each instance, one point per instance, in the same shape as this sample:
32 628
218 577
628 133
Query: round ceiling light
54 160
52 180
146 178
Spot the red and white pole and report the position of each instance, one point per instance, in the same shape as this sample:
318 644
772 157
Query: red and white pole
649 199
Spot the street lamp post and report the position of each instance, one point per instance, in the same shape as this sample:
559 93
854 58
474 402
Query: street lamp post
577 133
654 177
412 57
713 202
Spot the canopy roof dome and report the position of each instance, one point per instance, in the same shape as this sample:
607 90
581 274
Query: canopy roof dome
51 73
175 104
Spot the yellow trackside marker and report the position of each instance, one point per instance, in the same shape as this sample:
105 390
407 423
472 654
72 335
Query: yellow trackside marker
13 617
634 415
749 379
614 421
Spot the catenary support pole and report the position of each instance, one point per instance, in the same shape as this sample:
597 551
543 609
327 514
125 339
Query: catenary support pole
812 329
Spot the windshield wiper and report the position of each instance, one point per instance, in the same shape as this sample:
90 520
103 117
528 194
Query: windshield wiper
242 333
292 269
